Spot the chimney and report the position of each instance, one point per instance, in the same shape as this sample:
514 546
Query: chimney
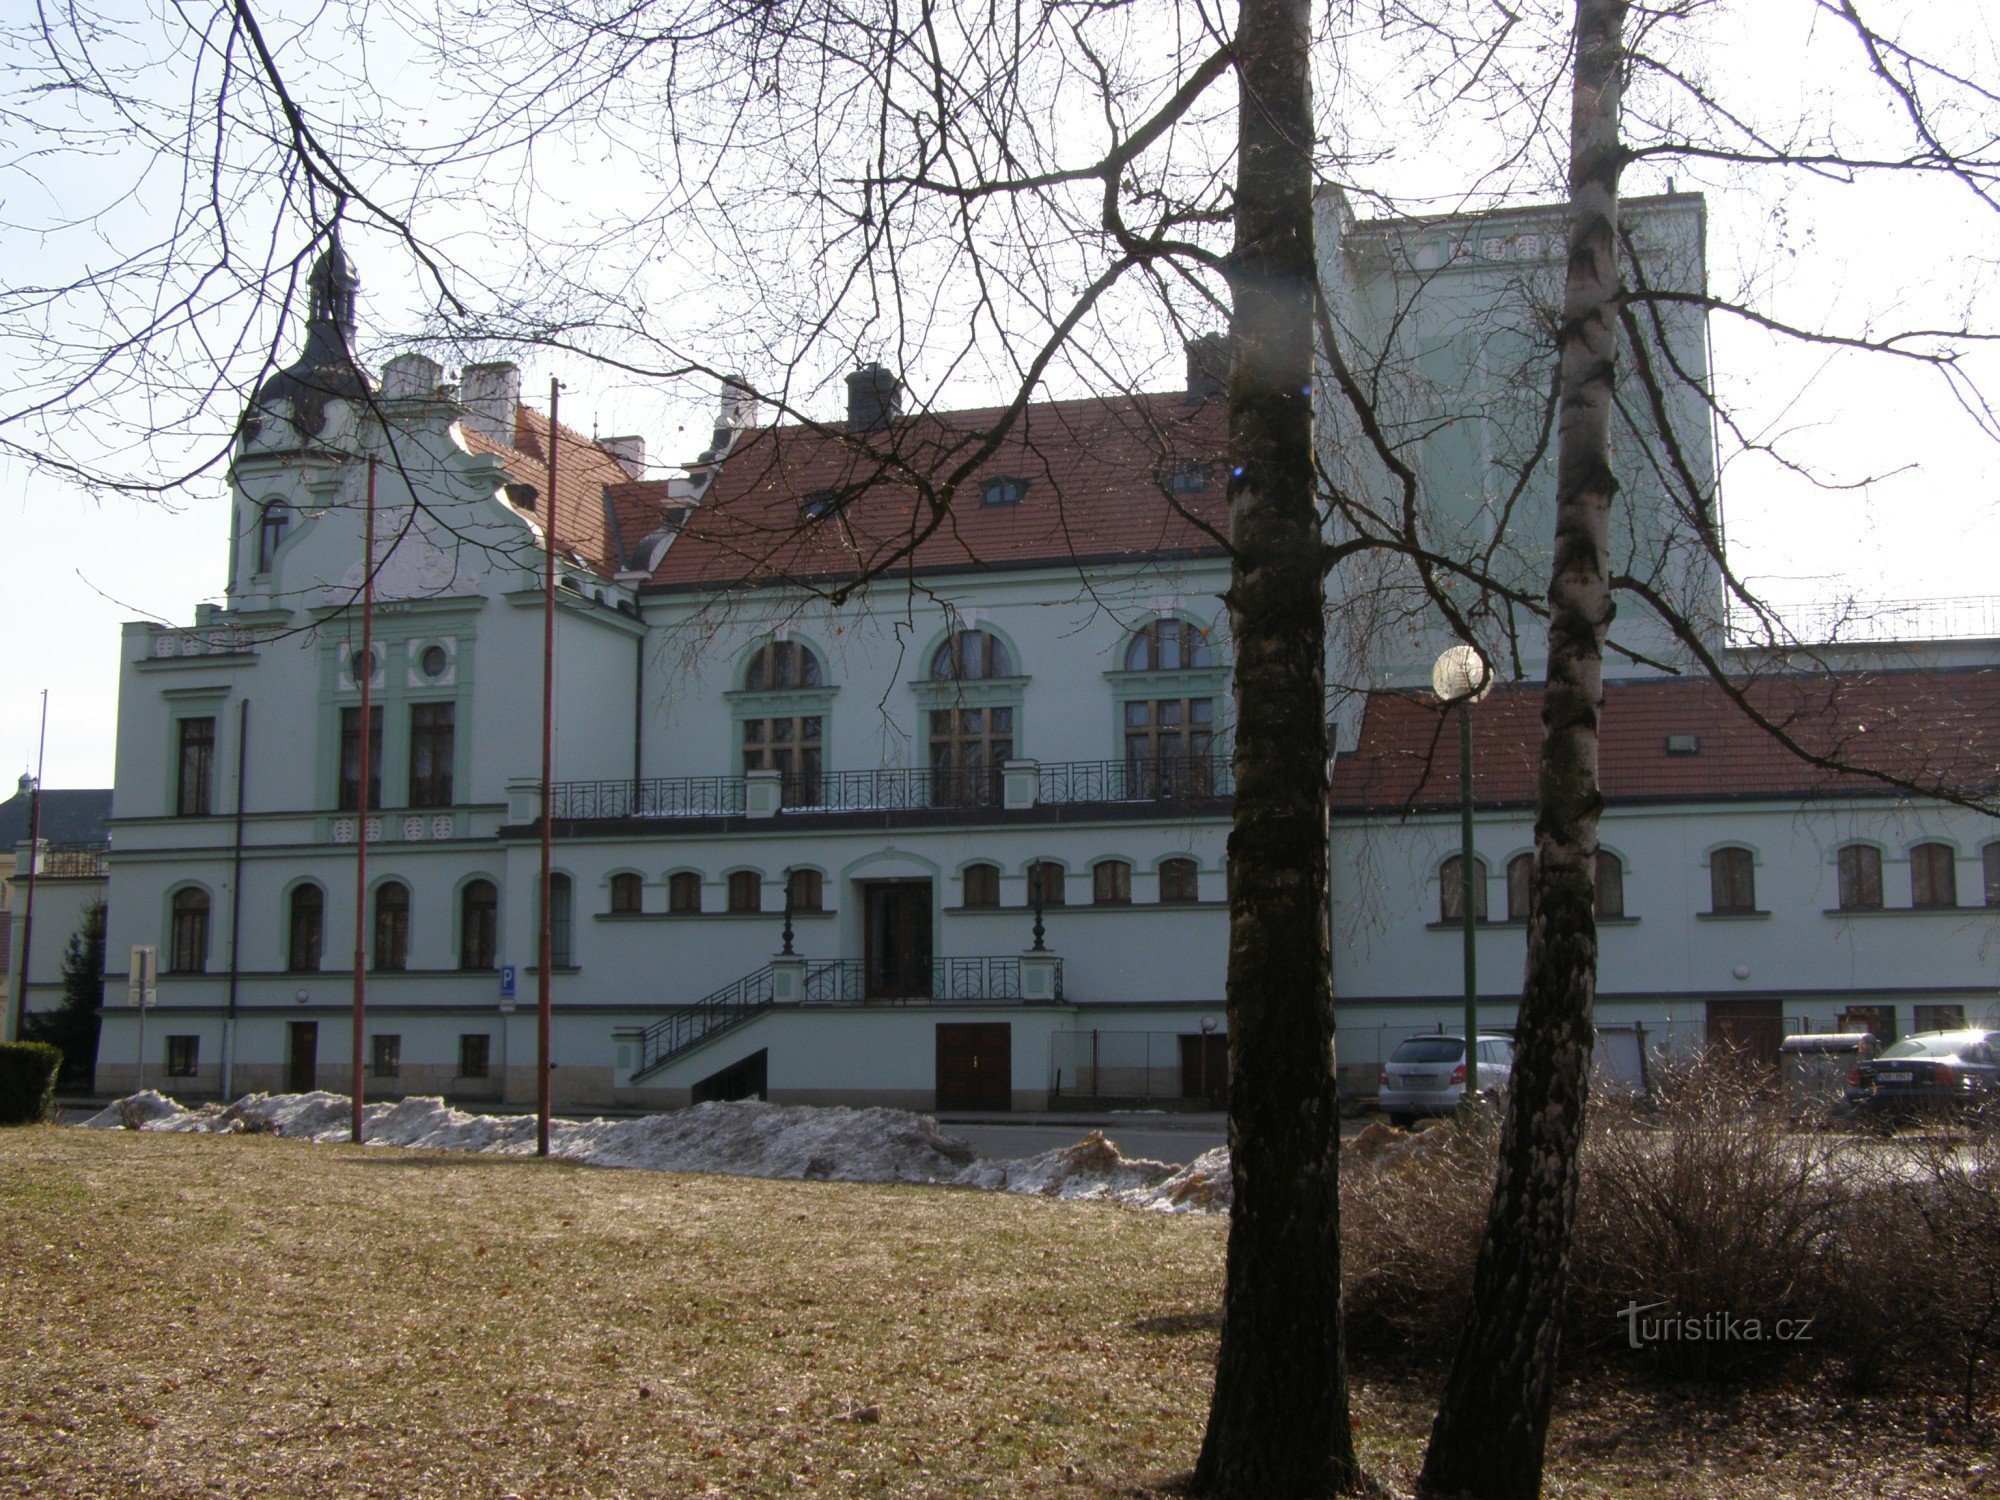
411 377
629 451
739 404
1207 367
874 398
490 394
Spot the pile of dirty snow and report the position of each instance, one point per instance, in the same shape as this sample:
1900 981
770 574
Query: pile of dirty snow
1092 1168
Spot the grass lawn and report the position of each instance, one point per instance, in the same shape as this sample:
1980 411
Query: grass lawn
239 1316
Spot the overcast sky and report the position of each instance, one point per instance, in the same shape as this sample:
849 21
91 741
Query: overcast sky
1883 251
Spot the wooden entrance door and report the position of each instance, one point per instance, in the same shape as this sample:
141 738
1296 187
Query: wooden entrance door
897 960
303 1076
1749 1030
1205 1068
975 1065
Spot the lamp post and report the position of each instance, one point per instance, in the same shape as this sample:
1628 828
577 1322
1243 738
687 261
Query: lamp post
1460 675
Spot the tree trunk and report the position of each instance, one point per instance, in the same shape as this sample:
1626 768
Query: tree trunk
1278 1423
1492 1424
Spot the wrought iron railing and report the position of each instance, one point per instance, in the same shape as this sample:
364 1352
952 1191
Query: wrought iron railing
1177 778
657 797
893 788
73 861
840 981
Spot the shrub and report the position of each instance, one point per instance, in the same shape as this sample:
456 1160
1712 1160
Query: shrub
28 1082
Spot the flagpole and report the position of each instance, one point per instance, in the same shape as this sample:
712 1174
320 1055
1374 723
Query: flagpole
545 948
362 797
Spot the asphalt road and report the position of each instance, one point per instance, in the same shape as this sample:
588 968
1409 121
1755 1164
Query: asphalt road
1176 1140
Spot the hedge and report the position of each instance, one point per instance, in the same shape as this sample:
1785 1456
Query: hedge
28 1082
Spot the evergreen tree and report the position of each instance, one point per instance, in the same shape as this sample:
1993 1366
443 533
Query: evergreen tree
72 1026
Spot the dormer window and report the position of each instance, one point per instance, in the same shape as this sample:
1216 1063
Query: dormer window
819 504
1003 490
271 528
1186 476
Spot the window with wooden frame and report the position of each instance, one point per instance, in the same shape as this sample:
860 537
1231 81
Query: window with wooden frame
1180 880
392 927
981 885
194 793
306 929
684 892
628 893
475 1050
1111 883
803 890
1990 857
187 948
790 744
478 925
781 665
562 923
1168 645
1451 890
971 656
272 525
1933 875
350 758
386 1056
183 1056
1168 745
1860 867
746 891
433 736
1045 883
1520 886
1610 885
1732 881
1940 1017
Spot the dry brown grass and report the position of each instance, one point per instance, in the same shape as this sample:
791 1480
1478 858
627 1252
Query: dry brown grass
238 1316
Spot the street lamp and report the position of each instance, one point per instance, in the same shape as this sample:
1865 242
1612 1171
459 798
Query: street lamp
1460 675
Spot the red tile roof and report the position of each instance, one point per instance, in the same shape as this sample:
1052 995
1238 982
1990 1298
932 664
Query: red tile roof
584 472
1938 729
1094 493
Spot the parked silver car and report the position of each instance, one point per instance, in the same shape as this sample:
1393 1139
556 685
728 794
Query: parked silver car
1425 1075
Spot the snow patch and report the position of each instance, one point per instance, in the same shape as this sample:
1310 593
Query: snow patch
1091 1168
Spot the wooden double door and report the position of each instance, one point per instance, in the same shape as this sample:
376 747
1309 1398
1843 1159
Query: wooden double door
896 917
975 1065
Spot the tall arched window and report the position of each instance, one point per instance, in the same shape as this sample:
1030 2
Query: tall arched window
1860 877
1451 891
1168 646
188 950
746 891
1933 875
684 892
271 528
803 890
1732 881
1045 883
789 739
1520 886
562 925
1111 883
1610 884
982 884
478 925
1180 880
392 927
306 929
1990 856
780 665
627 894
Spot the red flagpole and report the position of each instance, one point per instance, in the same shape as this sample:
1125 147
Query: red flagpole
545 948
361 796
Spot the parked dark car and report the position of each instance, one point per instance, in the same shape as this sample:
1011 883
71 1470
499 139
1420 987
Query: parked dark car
1932 1072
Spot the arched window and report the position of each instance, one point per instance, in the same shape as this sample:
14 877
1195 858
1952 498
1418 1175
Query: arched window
746 891
306 929
1610 885
1933 875
188 952
982 884
1732 881
562 924
271 528
1045 883
1860 877
1451 891
1111 883
684 892
392 927
627 894
1168 646
780 665
1991 856
969 655
803 890
478 925
1179 880
1520 886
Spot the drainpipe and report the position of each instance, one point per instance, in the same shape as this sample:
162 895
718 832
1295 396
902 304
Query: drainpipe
235 902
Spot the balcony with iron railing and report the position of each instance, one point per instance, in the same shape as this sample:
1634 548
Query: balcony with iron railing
1167 783
71 861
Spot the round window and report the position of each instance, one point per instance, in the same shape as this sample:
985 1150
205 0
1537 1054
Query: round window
433 661
362 666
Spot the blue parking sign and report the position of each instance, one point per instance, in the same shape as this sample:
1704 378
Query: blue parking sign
506 981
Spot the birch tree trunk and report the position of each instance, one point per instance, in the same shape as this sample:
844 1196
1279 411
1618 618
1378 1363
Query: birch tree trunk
1278 1423
1492 1424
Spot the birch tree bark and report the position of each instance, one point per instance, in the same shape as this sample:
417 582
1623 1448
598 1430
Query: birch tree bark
1278 1422
1491 1430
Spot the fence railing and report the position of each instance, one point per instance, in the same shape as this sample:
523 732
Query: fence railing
73 861
657 797
679 1031
1179 778
892 788
846 981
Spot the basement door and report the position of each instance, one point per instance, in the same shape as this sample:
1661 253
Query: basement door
897 939
1751 1029
303 1074
975 1065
